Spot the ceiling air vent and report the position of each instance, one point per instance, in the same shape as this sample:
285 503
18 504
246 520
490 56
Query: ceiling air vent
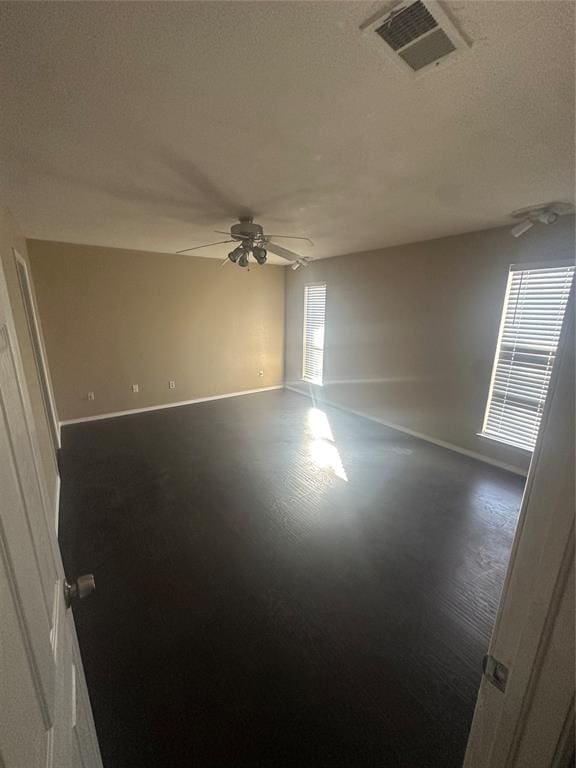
416 35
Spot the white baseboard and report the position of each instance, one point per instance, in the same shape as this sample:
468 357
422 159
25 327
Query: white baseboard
115 414
413 433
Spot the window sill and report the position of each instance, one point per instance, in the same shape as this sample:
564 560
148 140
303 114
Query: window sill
504 442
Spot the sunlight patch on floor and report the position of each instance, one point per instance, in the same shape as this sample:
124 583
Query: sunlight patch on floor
323 451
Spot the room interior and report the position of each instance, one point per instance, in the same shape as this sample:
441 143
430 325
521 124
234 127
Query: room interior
296 483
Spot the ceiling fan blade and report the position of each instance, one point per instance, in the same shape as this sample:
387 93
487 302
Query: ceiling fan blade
266 236
236 236
293 237
208 245
284 253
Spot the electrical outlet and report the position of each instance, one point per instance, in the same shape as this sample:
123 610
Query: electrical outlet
135 388
90 395
171 385
260 372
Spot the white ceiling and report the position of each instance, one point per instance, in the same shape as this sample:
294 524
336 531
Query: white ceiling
149 125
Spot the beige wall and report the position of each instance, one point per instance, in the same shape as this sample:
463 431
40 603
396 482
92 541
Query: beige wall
411 331
11 238
112 318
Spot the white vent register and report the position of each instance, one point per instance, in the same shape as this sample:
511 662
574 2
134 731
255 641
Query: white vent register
415 35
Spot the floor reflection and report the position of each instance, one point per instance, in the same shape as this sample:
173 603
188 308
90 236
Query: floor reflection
323 451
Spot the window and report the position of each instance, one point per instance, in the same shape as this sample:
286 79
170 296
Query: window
314 312
534 308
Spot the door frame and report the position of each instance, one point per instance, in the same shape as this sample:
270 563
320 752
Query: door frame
37 344
534 627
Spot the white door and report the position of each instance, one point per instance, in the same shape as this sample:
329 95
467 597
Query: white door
524 714
45 715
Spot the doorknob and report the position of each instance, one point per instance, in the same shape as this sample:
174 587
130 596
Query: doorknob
82 587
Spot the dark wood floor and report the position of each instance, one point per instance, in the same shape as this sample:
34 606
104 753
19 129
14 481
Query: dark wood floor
254 608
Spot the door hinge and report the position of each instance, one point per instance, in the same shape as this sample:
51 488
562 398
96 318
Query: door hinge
495 671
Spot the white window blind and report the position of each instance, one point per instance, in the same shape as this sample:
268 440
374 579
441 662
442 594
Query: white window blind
530 329
314 315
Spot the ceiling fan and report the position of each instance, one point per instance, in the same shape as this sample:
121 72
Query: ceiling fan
545 213
254 245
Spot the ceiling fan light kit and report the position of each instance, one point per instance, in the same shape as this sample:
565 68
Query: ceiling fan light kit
254 245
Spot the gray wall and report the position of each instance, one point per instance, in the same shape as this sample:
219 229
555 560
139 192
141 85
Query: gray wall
113 317
411 331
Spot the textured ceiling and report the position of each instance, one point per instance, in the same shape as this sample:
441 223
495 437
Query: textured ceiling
149 125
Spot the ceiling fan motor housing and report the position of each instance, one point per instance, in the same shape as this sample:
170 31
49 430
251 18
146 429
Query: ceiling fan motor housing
246 230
